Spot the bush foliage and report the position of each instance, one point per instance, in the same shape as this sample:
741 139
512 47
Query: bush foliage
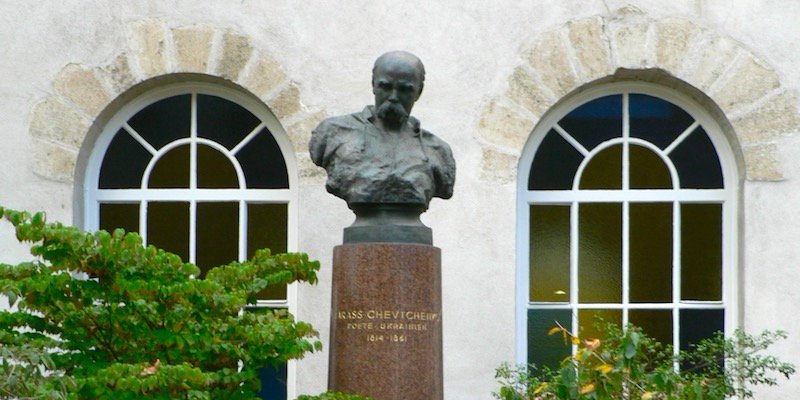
100 316
627 364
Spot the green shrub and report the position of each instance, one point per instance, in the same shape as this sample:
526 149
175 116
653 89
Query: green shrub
629 365
100 316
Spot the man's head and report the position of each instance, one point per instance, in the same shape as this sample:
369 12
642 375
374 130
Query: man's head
397 81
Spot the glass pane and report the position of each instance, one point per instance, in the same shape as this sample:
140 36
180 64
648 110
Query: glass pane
592 322
647 170
273 378
701 252
223 121
604 170
655 323
697 162
214 170
262 162
168 227
595 122
124 163
655 120
164 121
600 253
651 253
544 349
554 165
697 325
171 170
114 215
217 234
549 258
267 228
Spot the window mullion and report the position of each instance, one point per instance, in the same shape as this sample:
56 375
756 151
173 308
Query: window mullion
242 230
193 144
142 221
625 143
676 277
193 232
626 261
573 264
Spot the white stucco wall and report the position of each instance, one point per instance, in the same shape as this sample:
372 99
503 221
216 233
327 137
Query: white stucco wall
469 49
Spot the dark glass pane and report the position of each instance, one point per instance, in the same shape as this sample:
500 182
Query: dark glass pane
554 165
595 122
115 215
701 252
600 253
651 253
592 322
164 121
262 162
604 170
171 170
647 169
267 228
214 170
223 121
549 258
544 349
273 382
696 325
124 163
655 120
697 162
168 227
217 234
655 323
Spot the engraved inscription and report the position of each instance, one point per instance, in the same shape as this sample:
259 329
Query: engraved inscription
386 326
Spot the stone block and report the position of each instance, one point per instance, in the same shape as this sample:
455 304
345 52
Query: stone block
527 92
118 74
53 119
192 48
264 76
54 162
629 44
300 131
148 40
591 48
81 86
504 126
549 57
749 82
713 56
673 40
285 103
497 167
777 116
309 174
236 51
761 163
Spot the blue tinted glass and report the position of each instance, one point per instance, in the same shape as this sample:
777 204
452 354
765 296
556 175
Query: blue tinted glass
656 121
554 165
222 121
697 325
697 162
595 122
124 163
544 349
273 383
164 121
262 162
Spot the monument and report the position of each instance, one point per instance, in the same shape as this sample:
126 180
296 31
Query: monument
386 317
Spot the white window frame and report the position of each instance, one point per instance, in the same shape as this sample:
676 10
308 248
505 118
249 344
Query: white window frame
93 196
728 197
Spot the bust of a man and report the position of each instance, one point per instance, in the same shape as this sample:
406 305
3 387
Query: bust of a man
381 155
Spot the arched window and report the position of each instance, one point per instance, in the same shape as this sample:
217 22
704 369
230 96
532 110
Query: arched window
200 171
627 207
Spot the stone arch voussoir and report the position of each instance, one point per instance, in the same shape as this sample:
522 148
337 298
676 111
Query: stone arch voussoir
749 92
60 121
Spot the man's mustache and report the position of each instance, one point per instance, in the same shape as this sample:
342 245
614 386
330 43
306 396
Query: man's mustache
392 112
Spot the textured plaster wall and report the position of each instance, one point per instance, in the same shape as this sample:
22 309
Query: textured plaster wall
471 51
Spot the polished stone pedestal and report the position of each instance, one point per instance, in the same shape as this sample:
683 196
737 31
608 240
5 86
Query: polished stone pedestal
386 321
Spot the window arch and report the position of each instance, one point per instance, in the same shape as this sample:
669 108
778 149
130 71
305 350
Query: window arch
627 200
205 172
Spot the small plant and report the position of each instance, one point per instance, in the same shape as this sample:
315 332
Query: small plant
627 364
100 316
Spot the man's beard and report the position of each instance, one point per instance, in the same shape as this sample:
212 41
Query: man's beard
392 113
